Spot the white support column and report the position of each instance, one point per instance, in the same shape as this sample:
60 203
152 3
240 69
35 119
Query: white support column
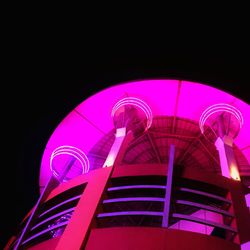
220 146
228 163
119 138
225 130
126 113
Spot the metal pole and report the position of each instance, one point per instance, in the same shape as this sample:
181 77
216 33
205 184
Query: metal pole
166 211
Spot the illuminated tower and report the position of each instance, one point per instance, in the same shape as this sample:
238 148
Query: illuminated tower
154 164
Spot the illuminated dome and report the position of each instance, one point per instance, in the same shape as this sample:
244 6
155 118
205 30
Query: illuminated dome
176 108
152 164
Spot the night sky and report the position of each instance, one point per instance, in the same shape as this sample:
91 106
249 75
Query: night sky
46 81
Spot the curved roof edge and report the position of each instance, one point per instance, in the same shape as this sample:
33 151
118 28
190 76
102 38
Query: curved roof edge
91 119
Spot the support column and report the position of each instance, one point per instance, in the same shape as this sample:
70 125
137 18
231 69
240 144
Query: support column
167 203
225 121
228 162
51 184
119 138
76 232
128 116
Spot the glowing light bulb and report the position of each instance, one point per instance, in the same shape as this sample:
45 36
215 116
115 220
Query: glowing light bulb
110 161
234 173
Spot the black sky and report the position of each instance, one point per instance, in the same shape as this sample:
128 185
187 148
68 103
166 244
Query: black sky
46 81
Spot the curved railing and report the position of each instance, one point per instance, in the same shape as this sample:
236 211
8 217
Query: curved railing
140 200
132 204
53 217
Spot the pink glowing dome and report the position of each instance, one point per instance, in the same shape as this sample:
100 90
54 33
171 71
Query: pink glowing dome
92 119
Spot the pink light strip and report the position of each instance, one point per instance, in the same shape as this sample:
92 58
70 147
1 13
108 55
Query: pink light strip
238 115
213 110
138 103
224 108
216 111
220 107
144 110
135 103
72 151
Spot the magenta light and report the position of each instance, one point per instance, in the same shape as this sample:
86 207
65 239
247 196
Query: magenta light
220 107
72 151
138 103
85 125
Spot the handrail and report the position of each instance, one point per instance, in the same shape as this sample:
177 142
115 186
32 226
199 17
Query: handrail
136 186
124 213
205 194
133 199
53 217
44 231
202 221
60 204
206 207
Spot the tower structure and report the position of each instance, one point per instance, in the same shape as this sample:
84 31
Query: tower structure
154 164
